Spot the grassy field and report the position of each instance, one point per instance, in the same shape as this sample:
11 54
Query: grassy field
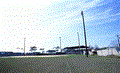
69 64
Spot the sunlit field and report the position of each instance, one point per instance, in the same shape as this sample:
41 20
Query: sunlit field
72 63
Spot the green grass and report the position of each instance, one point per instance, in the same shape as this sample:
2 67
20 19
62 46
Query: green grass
73 63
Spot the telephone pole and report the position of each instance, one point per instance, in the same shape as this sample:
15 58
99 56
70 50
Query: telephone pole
118 40
78 40
84 33
60 42
24 46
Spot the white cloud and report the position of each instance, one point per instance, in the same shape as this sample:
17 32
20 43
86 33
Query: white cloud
94 3
103 15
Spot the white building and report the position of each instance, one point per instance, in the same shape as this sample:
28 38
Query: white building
108 51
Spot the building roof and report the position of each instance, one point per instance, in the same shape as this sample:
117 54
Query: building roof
75 47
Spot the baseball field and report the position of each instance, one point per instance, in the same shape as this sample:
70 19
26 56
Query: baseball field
59 64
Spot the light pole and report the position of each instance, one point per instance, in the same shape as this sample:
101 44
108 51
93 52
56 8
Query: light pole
84 33
60 42
78 40
24 46
118 40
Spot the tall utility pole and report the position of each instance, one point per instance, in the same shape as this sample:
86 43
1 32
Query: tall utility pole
84 33
118 40
24 46
60 42
78 40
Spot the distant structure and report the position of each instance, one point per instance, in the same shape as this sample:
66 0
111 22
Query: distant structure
108 51
33 48
76 50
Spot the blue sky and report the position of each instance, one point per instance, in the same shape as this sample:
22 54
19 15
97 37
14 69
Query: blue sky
43 22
